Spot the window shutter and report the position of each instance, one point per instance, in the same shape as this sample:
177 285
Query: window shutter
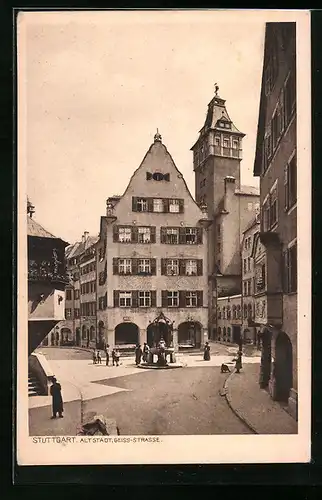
181 206
162 234
116 295
152 234
148 176
134 234
153 267
134 298
134 263
150 204
182 298
165 205
115 233
134 204
153 298
163 267
199 267
199 235
182 235
166 177
164 295
182 267
199 298
115 265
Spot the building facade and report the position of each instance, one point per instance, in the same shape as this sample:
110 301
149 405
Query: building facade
249 329
47 279
152 259
217 157
229 319
79 328
275 249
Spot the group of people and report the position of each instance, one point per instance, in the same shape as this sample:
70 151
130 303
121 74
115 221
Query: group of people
141 354
114 354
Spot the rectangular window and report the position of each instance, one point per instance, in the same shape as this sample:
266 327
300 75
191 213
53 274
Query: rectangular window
290 96
191 235
245 265
144 266
144 235
172 267
68 313
158 205
260 278
141 204
173 299
273 206
266 216
226 143
191 267
68 295
125 266
235 143
172 236
191 299
76 294
249 264
76 312
290 184
174 206
125 234
125 299
144 299
291 269
245 288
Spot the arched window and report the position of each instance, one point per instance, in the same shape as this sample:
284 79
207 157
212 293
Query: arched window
228 312
228 334
238 312
250 311
219 332
234 312
224 333
224 312
219 313
245 311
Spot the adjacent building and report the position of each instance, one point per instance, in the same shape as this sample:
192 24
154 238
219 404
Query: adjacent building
230 206
47 278
152 259
275 246
249 330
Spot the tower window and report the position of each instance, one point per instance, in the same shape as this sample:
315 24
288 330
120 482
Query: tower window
217 141
158 205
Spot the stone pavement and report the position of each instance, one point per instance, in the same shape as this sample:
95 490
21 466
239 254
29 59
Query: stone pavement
79 377
254 405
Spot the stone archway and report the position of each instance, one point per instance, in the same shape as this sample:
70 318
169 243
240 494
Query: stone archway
161 327
189 334
127 333
266 359
92 334
283 367
65 336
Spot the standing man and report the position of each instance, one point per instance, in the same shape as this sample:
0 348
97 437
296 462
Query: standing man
138 354
107 353
57 400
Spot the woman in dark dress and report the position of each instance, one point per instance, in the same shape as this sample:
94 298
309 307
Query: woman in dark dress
138 354
206 352
57 400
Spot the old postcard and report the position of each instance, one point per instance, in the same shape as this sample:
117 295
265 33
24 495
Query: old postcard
164 204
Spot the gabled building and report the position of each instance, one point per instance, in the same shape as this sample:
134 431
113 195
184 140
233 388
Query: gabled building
275 251
152 259
230 206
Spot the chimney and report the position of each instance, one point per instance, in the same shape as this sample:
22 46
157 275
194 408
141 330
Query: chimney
86 233
83 238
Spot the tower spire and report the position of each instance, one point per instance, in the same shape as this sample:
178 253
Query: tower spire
157 137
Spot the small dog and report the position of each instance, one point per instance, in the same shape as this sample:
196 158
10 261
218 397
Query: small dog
224 368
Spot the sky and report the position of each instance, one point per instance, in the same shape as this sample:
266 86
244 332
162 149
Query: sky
97 86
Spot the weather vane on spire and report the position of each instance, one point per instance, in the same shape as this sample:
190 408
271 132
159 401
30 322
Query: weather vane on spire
157 136
216 89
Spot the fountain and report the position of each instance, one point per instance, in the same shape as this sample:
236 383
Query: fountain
160 339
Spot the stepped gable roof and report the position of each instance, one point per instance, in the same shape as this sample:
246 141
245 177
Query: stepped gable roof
36 230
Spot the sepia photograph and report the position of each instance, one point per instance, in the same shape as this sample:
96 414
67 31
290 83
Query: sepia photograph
163 236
